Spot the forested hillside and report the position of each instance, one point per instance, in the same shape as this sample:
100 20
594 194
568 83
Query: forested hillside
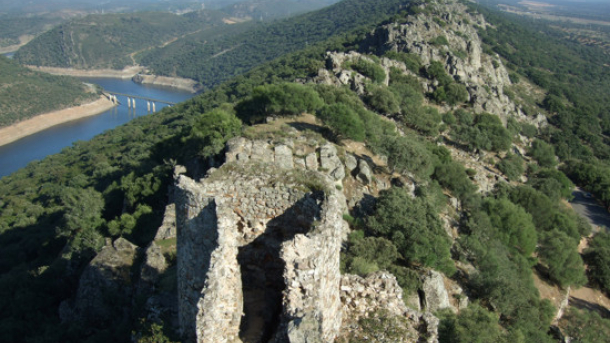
219 59
475 186
111 40
26 93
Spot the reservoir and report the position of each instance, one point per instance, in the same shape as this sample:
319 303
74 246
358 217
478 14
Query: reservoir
18 154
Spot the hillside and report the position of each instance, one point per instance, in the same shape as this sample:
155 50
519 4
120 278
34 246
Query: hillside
397 185
111 40
25 93
220 59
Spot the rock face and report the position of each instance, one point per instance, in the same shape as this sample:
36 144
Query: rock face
379 295
484 76
258 249
435 294
106 277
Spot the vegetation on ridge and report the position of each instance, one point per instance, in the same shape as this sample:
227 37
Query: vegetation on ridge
26 93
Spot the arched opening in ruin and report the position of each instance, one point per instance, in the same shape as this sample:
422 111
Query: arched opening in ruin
262 269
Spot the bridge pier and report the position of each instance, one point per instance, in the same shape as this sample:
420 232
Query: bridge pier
148 106
129 102
154 110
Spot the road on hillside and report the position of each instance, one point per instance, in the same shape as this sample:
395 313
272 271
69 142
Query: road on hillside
585 205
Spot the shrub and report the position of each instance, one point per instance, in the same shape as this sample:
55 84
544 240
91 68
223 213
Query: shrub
453 176
515 227
424 120
211 131
543 153
528 130
369 69
414 227
343 121
598 261
407 154
512 166
382 100
559 252
411 61
440 40
278 99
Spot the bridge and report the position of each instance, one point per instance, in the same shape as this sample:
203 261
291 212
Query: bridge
130 96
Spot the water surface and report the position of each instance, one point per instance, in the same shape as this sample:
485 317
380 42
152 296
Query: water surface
18 154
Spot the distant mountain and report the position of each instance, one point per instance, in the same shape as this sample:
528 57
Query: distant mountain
211 62
270 9
112 40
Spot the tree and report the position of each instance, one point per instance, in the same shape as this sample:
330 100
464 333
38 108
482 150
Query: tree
369 69
407 155
474 324
211 131
512 166
598 261
382 100
343 121
514 224
453 176
414 227
82 209
559 252
543 153
456 93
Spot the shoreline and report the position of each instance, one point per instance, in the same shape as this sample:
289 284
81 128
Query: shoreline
44 121
134 73
126 73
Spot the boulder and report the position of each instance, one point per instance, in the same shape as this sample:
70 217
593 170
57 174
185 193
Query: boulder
435 295
365 175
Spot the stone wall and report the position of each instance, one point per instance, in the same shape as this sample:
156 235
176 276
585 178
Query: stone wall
258 249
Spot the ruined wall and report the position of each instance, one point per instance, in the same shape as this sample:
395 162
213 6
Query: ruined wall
258 249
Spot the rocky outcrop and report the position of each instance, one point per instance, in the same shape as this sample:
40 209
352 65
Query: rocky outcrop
167 229
258 247
434 291
104 285
379 296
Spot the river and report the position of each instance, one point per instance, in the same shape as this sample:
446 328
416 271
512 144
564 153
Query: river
18 154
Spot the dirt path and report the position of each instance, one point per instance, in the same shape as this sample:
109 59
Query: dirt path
41 122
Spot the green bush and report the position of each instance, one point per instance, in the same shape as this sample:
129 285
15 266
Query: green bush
278 99
211 131
411 61
515 227
369 69
436 70
528 130
440 40
543 153
453 176
382 100
343 121
559 252
407 155
425 120
585 326
512 166
474 324
598 261
414 227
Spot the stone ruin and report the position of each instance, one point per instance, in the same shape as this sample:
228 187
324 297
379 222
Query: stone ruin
259 251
